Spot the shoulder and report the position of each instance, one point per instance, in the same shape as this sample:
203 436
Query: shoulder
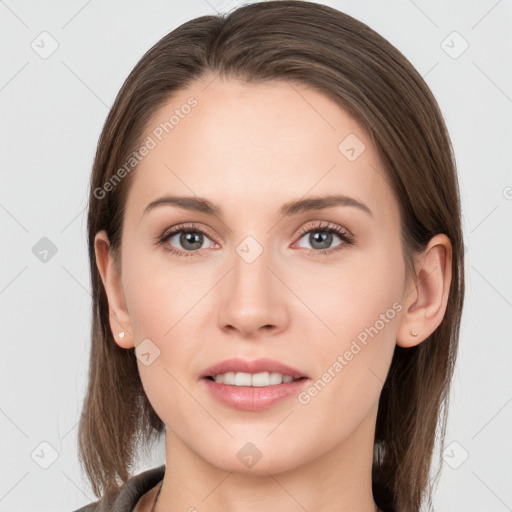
126 497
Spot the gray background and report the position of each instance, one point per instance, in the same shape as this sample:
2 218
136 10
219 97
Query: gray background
53 109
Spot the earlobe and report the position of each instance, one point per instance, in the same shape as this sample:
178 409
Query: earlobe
426 294
119 318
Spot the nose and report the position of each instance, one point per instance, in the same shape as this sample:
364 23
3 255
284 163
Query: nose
253 299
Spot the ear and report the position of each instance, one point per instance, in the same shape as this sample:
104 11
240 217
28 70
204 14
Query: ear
426 292
111 276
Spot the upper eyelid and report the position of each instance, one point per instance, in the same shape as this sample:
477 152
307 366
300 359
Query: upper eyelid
185 227
323 225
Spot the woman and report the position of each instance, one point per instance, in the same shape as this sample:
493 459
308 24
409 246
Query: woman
277 264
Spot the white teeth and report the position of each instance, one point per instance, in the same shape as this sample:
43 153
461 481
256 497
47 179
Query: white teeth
250 379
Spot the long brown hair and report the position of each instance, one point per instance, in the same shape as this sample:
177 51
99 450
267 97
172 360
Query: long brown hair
316 45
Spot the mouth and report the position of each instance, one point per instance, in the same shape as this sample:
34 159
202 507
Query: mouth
253 392
258 372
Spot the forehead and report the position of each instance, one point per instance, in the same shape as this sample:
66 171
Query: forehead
255 144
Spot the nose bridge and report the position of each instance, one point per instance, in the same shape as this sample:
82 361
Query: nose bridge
252 297
251 276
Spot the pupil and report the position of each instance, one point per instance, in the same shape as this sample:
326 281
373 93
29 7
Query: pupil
324 239
189 241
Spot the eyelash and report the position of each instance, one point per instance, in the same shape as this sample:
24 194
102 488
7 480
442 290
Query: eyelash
345 236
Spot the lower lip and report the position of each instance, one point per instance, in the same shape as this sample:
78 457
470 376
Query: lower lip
254 398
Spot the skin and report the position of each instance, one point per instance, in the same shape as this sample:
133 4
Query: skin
249 149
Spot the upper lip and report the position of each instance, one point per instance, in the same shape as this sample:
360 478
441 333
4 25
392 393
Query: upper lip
256 366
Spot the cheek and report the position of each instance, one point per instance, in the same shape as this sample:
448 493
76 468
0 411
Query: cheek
157 293
359 306
353 294
163 301
362 309
160 299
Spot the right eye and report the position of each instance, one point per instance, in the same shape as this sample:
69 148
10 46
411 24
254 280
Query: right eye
184 240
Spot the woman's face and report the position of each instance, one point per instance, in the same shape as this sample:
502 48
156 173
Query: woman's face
256 280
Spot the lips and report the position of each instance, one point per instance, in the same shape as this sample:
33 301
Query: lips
256 366
253 399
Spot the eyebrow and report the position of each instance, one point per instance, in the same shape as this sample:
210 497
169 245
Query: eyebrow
202 205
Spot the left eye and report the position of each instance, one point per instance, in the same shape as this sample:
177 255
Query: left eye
321 238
